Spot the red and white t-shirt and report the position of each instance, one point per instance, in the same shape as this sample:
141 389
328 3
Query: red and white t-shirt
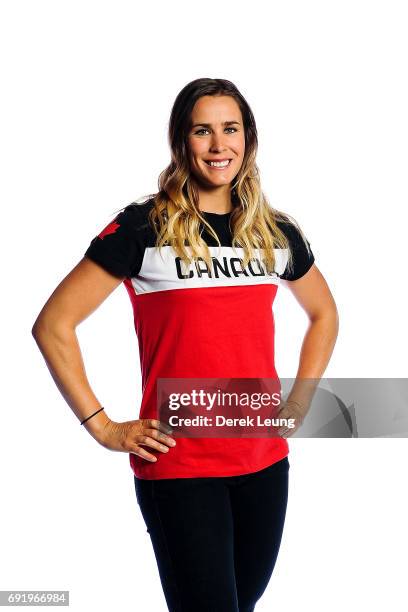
198 325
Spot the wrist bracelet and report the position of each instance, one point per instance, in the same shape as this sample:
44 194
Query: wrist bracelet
92 415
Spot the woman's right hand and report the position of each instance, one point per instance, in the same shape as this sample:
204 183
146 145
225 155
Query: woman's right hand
131 436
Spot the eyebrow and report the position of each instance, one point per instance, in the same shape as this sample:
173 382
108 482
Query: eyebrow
209 124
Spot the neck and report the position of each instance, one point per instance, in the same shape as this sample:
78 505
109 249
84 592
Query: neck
217 200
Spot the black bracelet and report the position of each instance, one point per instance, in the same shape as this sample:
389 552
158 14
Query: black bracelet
91 415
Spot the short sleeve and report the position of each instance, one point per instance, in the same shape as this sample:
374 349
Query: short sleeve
303 257
118 247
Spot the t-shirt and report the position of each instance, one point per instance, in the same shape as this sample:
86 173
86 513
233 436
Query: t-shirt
198 325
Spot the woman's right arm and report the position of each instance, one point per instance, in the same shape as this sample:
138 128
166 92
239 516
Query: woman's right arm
75 298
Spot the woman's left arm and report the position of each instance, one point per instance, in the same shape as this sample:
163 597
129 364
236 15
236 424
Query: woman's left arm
314 296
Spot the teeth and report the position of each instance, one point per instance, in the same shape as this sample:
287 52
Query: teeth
219 164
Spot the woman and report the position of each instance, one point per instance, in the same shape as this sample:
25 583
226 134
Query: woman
201 261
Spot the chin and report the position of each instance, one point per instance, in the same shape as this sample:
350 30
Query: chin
218 183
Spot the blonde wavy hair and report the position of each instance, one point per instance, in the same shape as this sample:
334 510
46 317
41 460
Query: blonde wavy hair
175 215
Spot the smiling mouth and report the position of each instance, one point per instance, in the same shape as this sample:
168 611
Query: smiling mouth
217 165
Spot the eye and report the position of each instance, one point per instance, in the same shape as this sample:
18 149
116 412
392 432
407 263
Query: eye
206 130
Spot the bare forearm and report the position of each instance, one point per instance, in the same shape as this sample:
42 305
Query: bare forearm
316 350
318 345
62 354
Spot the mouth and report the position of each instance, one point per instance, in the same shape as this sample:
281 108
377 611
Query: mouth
218 165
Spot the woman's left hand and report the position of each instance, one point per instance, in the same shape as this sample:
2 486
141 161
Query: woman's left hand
294 414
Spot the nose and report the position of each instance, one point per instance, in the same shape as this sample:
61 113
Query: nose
217 142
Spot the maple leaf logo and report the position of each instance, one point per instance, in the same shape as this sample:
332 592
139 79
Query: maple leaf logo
109 229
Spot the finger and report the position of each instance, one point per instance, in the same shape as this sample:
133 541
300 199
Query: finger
140 452
290 413
284 429
161 437
287 433
159 425
281 407
285 414
148 441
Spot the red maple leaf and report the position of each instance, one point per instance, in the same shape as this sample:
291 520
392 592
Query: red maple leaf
109 229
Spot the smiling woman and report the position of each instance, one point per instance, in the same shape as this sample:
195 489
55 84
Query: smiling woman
202 261
216 149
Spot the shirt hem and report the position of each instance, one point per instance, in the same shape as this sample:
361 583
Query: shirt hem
199 473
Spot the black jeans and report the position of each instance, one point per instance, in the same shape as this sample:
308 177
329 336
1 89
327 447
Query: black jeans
215 539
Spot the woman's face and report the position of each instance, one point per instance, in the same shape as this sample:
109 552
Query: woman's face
216 133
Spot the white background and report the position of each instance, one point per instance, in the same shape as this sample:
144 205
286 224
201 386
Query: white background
87 89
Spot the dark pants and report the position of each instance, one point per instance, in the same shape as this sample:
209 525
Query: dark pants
215 539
